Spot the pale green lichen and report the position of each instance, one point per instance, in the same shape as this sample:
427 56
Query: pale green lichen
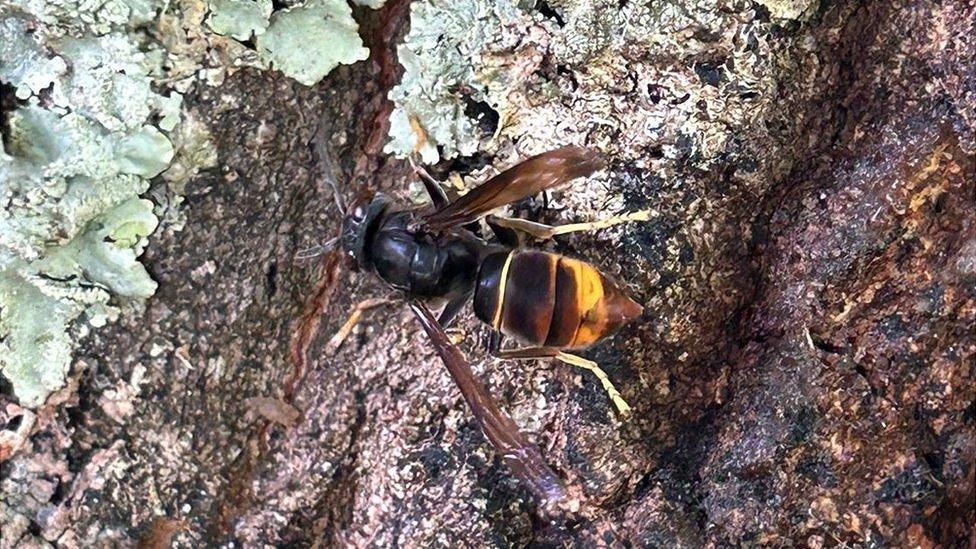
60 174
105 253
69 236
23 62
109 82
239 19
448 50
42 299
84 17
554 79
305 41
78 152
36 345
99 116
309 40
145 152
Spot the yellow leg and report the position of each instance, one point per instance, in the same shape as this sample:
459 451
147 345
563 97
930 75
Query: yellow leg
541 231
612 392
531 353
421 172
339 337
456 335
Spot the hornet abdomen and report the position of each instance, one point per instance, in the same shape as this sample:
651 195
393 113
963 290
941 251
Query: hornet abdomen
545 299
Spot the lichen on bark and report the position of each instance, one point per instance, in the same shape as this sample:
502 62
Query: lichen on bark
95 115
72 167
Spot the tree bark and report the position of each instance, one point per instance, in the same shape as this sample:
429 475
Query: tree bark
803 373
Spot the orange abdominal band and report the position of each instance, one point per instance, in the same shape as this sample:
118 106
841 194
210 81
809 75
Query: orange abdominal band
589 303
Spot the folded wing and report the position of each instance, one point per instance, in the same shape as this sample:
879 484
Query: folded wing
530 177
522 457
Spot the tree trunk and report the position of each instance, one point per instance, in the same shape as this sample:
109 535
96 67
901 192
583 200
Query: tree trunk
803 371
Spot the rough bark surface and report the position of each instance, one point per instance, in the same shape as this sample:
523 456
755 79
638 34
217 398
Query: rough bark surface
804 372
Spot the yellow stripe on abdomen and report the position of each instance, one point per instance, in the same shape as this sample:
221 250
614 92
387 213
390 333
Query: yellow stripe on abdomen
502 284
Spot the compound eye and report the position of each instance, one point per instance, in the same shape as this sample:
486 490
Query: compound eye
359 213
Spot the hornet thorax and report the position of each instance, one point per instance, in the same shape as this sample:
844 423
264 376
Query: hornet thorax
395 246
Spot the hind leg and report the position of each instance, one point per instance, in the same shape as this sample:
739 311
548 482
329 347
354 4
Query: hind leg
494 347
541 231
608 386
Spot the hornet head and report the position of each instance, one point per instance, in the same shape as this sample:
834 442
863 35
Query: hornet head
360 224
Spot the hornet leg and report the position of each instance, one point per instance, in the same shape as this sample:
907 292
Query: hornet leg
507 236
612 392
339 337
434 190
453 307
541 231
494 347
